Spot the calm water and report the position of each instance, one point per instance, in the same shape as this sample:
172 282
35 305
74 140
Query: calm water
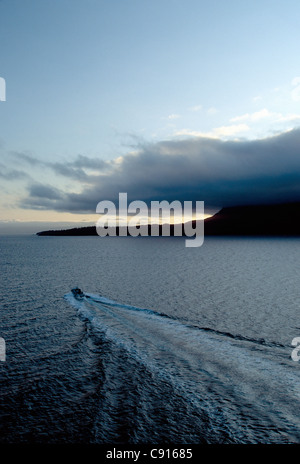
173 345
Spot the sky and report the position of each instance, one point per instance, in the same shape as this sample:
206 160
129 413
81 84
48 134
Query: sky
162 99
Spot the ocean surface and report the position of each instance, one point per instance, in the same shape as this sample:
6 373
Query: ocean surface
171 345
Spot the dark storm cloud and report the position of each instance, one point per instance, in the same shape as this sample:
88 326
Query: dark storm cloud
44 191
222 173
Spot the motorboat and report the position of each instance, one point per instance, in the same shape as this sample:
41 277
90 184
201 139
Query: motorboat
77 293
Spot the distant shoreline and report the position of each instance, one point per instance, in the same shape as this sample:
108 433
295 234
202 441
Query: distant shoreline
249 220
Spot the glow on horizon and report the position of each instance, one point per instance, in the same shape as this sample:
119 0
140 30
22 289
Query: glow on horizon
174 219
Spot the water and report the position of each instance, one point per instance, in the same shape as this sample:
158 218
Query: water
172 345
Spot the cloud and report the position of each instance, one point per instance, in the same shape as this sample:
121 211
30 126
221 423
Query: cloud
82 168
212 111
222 173
25 158
89 163
217 132
257 116
12 174
289 117
43 197
265 114
196 108
44 191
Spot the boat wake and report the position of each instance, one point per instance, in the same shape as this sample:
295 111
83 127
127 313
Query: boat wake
245 387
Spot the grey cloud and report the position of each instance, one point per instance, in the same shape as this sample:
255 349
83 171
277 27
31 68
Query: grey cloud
44 191
76 169
12 174
83 161
66 171
222 173
72 169
43 197
28 159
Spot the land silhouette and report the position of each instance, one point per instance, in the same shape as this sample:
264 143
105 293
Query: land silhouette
249 220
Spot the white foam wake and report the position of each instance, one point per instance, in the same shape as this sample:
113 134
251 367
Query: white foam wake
192 359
